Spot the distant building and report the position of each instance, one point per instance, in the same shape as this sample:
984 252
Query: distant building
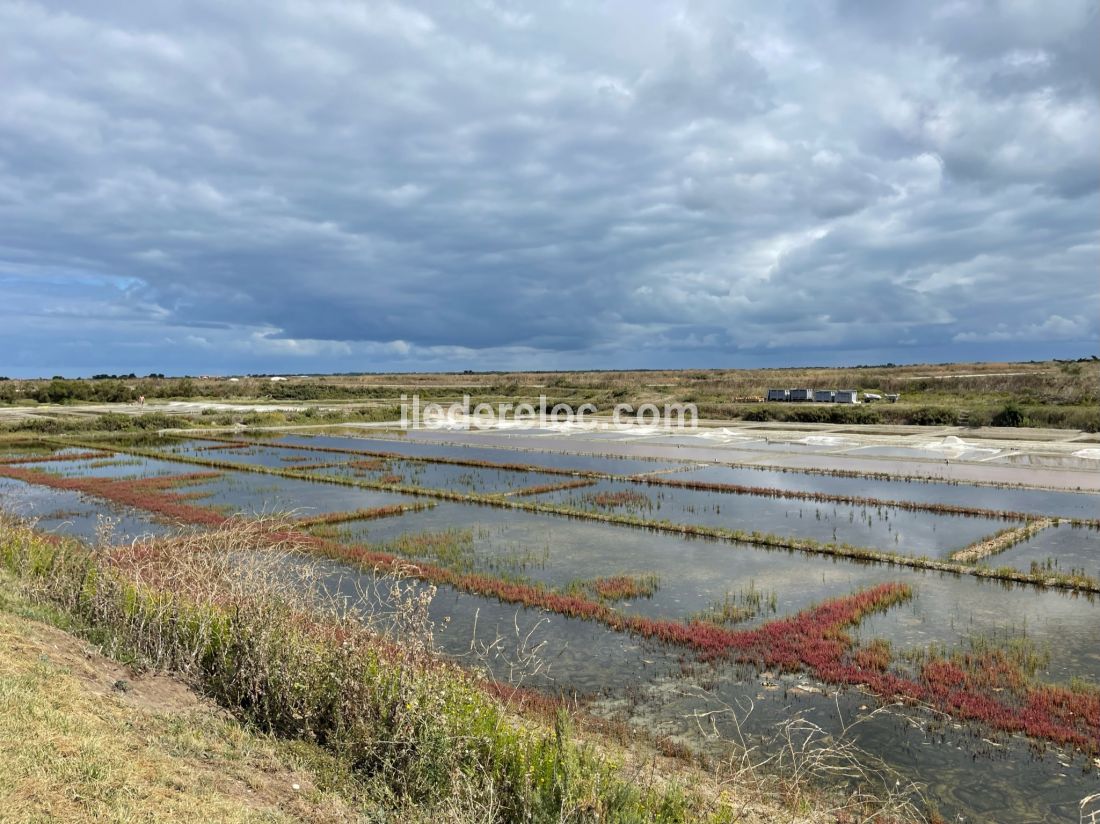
871 396
277 378
820 395
893 398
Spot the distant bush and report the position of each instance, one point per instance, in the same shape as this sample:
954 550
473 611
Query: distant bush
1010 415
115 422
854 414
932 416
60 390
1093 423
795 413
316 391
762 413
47 426
1062 417
107 422
809 414
159 420
979 418
273 418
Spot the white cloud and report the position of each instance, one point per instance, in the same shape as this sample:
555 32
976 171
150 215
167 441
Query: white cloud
1055 327
563 183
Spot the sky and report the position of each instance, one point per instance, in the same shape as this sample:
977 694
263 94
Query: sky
220 187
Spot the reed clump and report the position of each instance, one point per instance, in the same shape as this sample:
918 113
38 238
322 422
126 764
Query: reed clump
617 587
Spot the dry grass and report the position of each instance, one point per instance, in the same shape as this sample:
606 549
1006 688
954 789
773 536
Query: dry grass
800 755
73 749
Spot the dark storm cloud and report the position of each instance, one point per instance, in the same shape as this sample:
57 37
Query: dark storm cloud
338 185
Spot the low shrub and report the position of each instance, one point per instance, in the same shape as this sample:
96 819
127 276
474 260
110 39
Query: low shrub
1010 415
932 416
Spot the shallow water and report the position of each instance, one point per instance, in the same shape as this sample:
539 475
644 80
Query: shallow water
120 466
1061 548
890 529
750 445
249 493
1038 501
74 513
961 772
949 468
269 456
924 453
642 681
447 476
456 448
1056 461
413 473
642 684
694 573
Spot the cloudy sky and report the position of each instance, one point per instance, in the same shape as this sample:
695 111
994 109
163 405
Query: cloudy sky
343 185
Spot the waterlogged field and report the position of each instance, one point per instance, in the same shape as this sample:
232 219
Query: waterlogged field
441 476
1064 546
461 451
951 622
880 527
1038 501
694 577
73 513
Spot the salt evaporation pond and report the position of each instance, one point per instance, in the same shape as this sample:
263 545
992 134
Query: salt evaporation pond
656 687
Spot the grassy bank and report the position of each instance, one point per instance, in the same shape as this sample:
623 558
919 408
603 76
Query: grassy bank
417 738
84 740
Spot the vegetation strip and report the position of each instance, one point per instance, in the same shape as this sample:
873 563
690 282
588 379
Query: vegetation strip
1059 580
73 755
397 456
542 488
618 587
853 500
362 514
1003 540
650 479
989 688
795 470
149 494
72 456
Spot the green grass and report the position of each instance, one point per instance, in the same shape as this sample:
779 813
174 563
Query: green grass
72 750
420 733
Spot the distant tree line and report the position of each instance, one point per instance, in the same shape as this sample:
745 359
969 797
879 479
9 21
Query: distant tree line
106 377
